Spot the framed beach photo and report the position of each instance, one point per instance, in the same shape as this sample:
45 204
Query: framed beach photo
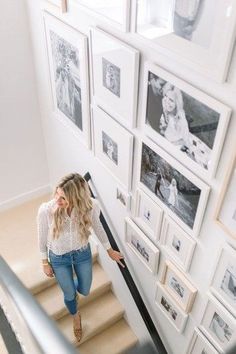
113 146
168 307
68 63
148 215
181 30
178 286
225 214
115 68
141 246
218 325
178 191
115 13
178 245
223 284
185 121
200 344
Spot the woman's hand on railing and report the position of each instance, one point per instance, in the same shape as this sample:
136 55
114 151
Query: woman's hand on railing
116 256
47 268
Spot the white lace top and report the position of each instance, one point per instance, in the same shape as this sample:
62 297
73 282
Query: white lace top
69 239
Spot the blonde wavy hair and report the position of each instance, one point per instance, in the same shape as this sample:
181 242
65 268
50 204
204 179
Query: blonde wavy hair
77 193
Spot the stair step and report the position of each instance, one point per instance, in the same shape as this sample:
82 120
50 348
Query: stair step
116 339
96 316
51 299
3 349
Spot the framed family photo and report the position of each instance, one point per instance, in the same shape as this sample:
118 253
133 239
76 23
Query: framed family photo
115 68
223 284
186 122
61 4
178 286
200 344
168 307
148 215
68 63
225 214
181 30
178 191
218 325
177 243
113 146
140 244
115 13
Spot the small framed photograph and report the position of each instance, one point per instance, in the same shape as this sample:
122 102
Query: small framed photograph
141 246
148 215
185 121
123 198
61 4
218 325
200 344
115 67
113 146
177 190
181 30
68 63
115 13
177 243
178 286
223 284
168 307
225 214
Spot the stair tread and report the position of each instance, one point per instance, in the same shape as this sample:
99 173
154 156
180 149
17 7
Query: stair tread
109 342
51 299
96 316
3 349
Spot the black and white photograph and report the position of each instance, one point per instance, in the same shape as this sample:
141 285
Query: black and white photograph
176 243
169 308
175 285
111 77
220 328
110 148
140 248
228 284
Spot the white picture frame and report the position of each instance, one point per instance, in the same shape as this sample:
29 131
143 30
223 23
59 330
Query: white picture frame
223 283
114 13
218 325
183 120
199 344
198 50
184 199
60 4
141 246
177 244
113 62
113 146
176 316
148 215
178 286
68 67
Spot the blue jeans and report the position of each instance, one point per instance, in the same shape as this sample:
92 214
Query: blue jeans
64 267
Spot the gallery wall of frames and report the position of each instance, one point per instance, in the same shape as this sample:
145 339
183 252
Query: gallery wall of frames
161 139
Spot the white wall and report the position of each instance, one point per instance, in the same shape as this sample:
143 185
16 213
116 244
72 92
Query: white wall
65 154
23 164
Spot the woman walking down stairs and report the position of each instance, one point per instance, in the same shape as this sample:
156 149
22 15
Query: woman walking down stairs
104 327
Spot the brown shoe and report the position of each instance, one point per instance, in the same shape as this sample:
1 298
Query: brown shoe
78 330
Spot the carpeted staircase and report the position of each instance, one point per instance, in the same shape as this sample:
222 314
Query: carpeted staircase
105 330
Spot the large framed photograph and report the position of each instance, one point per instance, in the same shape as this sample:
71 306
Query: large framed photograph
225 214
186 122
178 286
113 62
61 4
148 215
115 13
180 30
178 245
223 284
141 246
218 325
113 146
178 191
168 307
200 344
68 62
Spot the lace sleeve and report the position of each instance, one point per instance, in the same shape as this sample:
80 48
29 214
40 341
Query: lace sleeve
42 226
97 226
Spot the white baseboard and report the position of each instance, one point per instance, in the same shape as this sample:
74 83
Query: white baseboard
21 198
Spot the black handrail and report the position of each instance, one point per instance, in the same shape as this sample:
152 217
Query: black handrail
132 287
